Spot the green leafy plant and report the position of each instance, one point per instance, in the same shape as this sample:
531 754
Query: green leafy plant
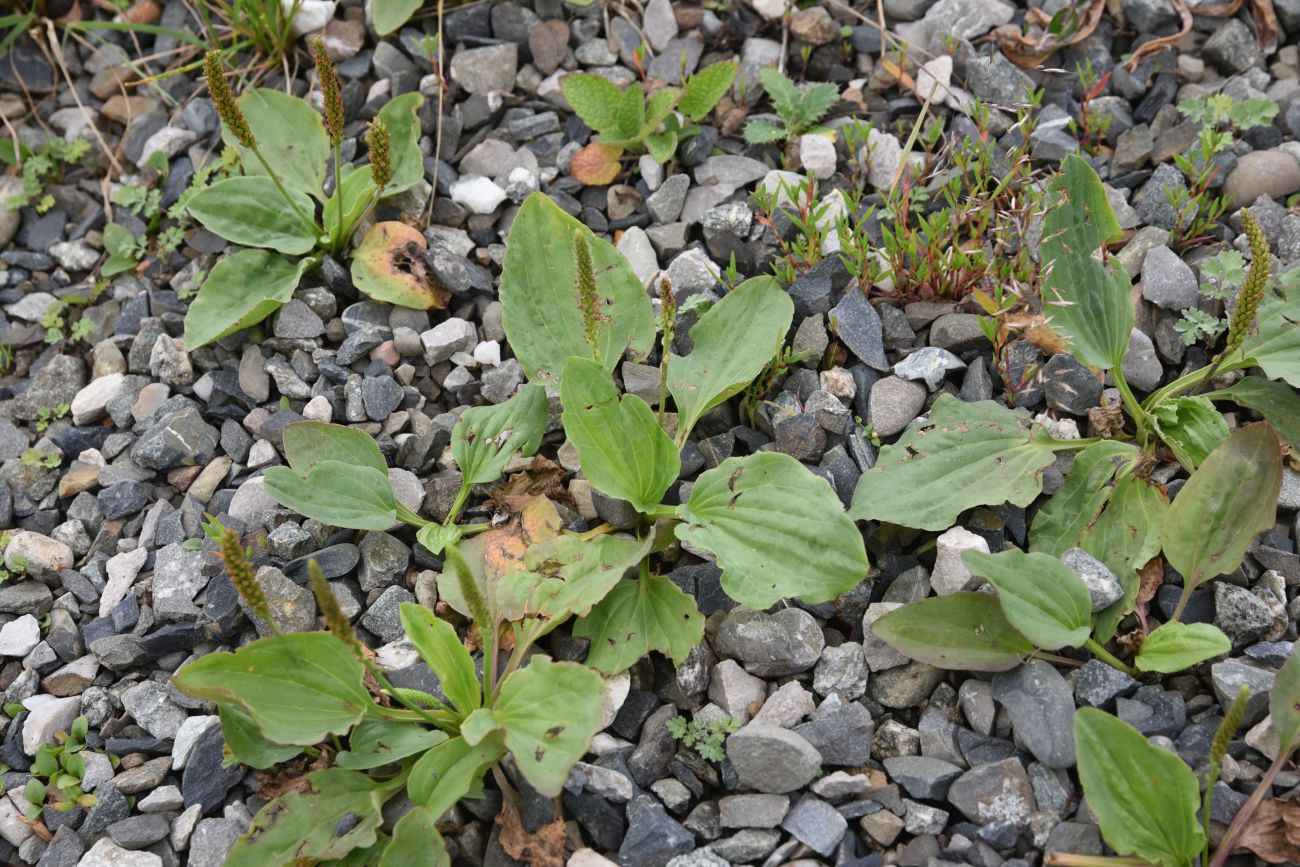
1146 799
798 108
970 455
273 206
706 737
34 458
57 770
41 167
47 414
630 120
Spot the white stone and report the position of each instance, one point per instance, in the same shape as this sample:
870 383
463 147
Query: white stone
652 172
772 10
884 153
261 454
183 827
48 715
122 570
781 185
613 695
950 573
98 770
446 338
640 253
149 704
480 195
318 409
13 827
488 353
168 141
91 403
40 556
33 306
312 15
932 80
188 735
880 656
106 853
589 858
19 636
817 153
251 503
163 799
406 488
74 255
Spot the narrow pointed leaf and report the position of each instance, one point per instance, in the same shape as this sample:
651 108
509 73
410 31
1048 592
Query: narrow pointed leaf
290 137
636 617
251 211
440 647
538 291
486 437
1276 401
604 428
241 290
964 455
1041 597
296 688
1063 519
308 443
963 631
1144 797
1176 646
1215 516
776 530
733 342
550 712
336 493
378 742
450 771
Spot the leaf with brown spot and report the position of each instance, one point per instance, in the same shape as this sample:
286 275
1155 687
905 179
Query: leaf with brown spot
596 164
543 848
1273 833
1150 577
542 477
504 547
388 266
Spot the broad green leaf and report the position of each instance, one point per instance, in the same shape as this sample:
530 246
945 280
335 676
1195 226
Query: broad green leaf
1191 427
636 617
450 771
241 290
1176 646
1275 349
1063 519
703 89
308 443
593 98
1284 703
1040 596
1085 298
437 538
571 575
776 530
1226 503
120 244
486 437
539 293
416 841
630 116
335 493
388 15
378 742
733 342
1125 536
478 726
337 811
246 744
290 137
1276 401
661 146
964 455
297 688
1144 797
962 631
251 211
356 191
440 647
402 114
624 451
550 712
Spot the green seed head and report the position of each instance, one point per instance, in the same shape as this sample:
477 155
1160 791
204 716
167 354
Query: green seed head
224 101
330 92
380 142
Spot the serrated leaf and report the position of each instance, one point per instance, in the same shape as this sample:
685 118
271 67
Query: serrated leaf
661 146
1215 516
1284 703
783 93
601 426
594 99
658 107
297 688
1176 646
1191 427
487 437
814 101
251 211
1063 519
703 89
776 530
550 712
630 117
538 290
1145 798
378 742
964 455
290 137
241 290
440 647
1277 402
636 617
335 493
450 771
1041 597
308 443
1084 298
733 342
963 631
596 164
763 132
416 842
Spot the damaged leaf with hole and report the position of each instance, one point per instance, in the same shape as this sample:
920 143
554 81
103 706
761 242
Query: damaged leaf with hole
389 266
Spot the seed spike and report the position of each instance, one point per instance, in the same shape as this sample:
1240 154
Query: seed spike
379 140
224 101
241 572
330 611
330 92
588 295
1252 289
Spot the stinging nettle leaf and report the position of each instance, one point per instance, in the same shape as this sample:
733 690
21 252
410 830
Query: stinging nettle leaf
1176 646
733 342
964 455
486 437
959 631
776 530
440 647
335 493
1215 517
624 452
251 211
1145 798
1040 596
550 712
241 290
636 617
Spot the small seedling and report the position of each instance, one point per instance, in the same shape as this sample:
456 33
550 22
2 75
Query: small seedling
57 771
706 738
41 167
46 414
798 107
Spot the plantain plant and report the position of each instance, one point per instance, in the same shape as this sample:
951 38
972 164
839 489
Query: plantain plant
277 207
969 455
